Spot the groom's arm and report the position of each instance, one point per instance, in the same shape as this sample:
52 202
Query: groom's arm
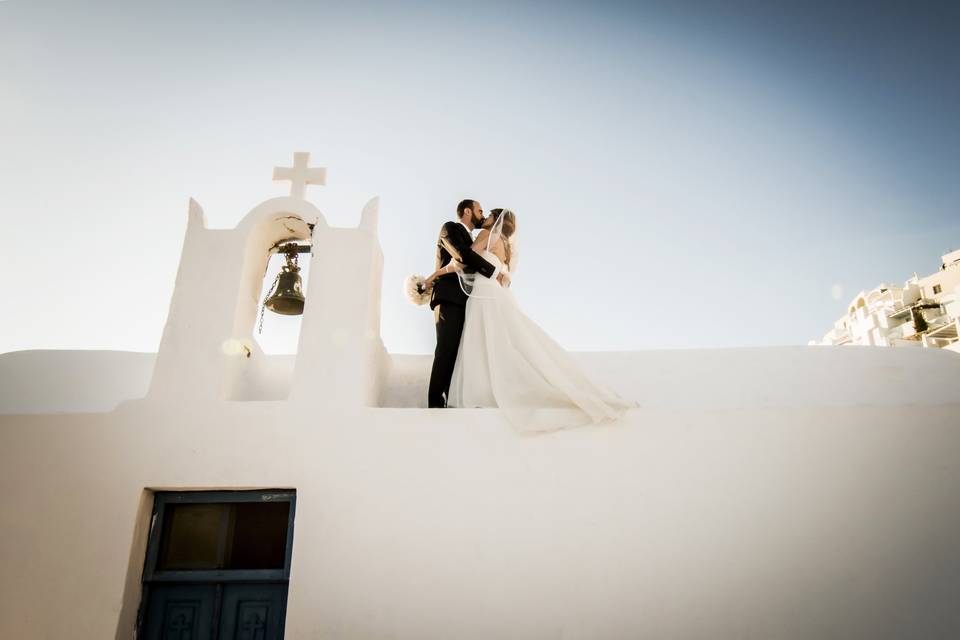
458 244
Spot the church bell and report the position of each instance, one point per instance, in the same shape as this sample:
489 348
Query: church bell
288 298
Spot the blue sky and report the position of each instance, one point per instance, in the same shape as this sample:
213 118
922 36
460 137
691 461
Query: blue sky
689 174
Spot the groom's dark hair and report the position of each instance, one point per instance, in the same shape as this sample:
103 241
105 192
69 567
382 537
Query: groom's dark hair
464 205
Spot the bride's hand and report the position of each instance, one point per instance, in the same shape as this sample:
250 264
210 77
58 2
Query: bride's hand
432 278
450 268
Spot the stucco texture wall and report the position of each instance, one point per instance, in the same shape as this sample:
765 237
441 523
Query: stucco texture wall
765 522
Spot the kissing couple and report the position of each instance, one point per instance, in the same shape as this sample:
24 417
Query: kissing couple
489 353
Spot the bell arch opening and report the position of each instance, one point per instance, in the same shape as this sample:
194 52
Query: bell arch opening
277 329
260 365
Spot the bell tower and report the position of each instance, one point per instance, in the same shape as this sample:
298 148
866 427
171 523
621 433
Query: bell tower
208 351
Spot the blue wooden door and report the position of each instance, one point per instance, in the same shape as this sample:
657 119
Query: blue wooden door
180 612
253 611
218 565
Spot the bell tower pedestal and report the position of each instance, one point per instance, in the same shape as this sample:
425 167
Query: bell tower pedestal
341 353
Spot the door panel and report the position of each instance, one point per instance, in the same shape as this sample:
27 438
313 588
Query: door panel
180 612
217 565
253 611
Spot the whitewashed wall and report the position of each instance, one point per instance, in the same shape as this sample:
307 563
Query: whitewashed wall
698 522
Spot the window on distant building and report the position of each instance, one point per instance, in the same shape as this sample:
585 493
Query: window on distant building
937 289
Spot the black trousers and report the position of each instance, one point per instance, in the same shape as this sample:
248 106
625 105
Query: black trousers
449 323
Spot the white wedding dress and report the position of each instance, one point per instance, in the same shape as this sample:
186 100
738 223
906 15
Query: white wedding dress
507 361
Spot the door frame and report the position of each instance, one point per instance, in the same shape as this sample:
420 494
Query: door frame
216 577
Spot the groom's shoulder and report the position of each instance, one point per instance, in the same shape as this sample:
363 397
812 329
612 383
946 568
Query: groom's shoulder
450 227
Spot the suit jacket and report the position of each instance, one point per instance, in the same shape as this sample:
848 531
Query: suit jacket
455 243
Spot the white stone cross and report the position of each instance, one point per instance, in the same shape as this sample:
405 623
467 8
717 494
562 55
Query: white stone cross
300 174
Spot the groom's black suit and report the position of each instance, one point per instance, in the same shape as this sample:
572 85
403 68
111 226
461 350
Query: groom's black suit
449 304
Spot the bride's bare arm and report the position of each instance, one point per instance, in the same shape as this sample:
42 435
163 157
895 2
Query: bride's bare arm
502 277
480 244
452 266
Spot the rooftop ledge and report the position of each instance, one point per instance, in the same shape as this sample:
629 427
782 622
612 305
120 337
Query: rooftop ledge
756 377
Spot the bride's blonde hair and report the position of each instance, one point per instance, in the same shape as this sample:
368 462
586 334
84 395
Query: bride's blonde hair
507 229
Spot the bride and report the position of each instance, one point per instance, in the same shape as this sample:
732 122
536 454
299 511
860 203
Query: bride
506 360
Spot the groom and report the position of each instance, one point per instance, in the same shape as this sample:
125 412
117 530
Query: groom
448 300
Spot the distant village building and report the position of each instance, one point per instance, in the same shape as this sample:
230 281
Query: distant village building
924 312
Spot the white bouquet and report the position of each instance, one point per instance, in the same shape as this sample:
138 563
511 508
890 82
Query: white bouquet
415 287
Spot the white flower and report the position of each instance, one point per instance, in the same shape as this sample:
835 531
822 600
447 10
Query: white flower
415 288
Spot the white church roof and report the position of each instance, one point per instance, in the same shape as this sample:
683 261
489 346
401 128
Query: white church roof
98 381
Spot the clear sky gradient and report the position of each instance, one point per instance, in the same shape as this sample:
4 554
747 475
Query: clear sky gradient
693 174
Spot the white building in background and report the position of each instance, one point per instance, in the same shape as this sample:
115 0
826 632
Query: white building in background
211 490
923 312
